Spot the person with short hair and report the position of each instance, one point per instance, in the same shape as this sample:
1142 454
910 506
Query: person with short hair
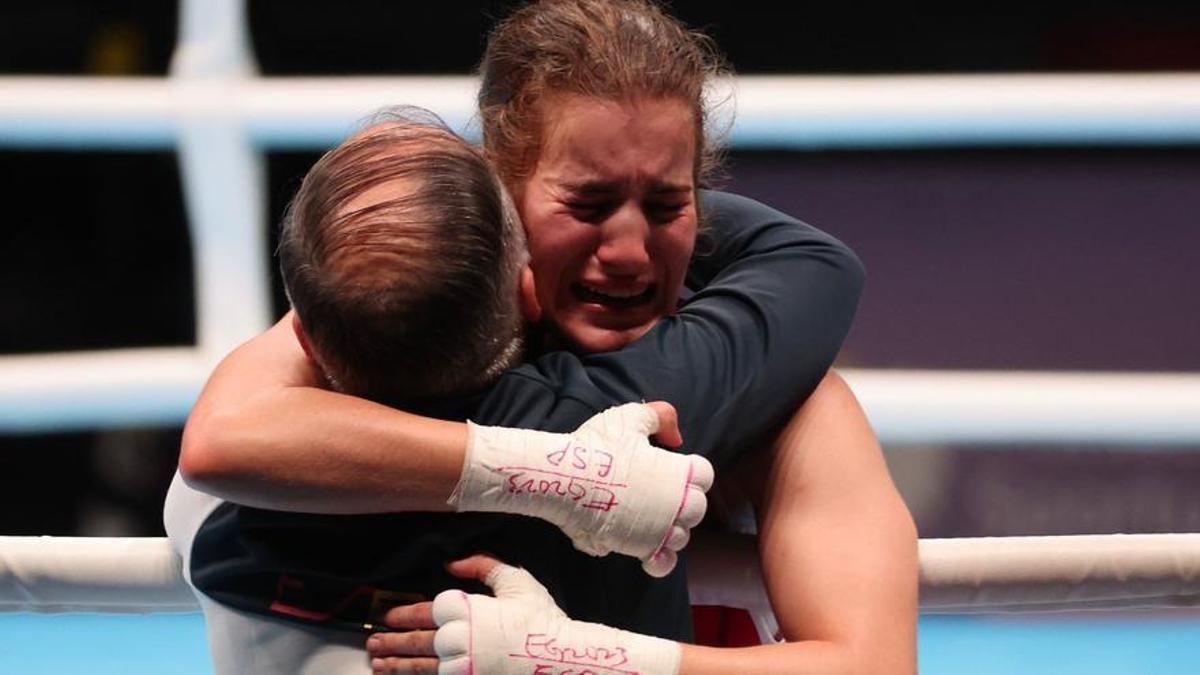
401 251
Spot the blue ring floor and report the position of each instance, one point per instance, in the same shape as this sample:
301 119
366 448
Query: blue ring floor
32 644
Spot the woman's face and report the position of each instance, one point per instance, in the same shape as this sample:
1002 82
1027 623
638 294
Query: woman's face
610 214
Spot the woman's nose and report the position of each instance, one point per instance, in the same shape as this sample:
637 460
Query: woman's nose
623 247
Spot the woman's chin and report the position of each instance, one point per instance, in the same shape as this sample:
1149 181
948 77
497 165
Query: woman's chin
593 339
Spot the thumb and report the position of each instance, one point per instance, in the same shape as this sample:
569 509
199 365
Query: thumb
668 434
631 417
504 580
476 567
507 582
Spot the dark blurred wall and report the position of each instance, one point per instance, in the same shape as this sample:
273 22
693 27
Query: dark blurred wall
389 36
1070 259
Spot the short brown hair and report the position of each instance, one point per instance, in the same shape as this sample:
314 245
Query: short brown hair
611 49
414 295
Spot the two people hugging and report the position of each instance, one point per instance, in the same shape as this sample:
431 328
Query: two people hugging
329 473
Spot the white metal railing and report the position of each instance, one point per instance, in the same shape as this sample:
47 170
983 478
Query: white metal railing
219 115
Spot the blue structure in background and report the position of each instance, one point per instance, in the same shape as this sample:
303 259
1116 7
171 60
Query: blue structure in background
174 644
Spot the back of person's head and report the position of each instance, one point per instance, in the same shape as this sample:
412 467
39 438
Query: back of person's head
401 255
619 50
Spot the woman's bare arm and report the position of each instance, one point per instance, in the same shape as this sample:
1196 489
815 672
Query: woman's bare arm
838 550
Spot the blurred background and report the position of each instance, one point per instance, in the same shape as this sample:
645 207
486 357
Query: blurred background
1053 257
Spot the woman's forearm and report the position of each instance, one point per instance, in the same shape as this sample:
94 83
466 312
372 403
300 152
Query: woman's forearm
263 434
798 658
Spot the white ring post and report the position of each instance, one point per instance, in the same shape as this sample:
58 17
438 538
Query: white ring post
223 174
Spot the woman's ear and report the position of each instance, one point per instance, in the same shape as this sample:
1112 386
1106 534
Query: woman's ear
531 309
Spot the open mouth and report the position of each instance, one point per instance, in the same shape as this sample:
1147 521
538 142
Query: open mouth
613 299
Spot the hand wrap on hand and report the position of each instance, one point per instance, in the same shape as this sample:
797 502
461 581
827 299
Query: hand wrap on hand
522 630
604 484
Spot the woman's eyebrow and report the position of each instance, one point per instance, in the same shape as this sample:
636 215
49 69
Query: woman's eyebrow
600 187
670 188
591 187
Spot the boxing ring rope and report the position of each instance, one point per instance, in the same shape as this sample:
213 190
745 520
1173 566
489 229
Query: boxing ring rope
219 116
158 386
969 575
774 112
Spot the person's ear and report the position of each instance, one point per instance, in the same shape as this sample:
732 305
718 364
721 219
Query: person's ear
302 337
531 309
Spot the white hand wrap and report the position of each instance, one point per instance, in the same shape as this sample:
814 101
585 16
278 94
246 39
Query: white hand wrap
604 485
522 631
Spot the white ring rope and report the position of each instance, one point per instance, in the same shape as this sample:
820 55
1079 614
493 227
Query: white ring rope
86 390
980 407
970 575
92 574
777 112
1060 573
158 386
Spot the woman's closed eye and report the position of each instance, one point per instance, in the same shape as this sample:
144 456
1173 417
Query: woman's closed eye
665 212
590 210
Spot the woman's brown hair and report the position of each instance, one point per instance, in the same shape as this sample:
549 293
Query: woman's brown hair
612 49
